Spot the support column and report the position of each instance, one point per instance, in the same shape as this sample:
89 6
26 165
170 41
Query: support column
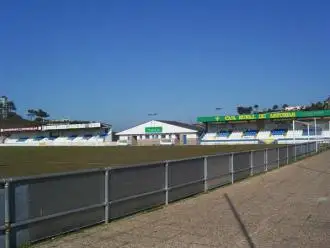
166 183
205 175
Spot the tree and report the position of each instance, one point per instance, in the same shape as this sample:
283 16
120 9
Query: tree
319 105
41 115
284 106
244 110
37 114
256 108
11 106
275 107
240 110
31 113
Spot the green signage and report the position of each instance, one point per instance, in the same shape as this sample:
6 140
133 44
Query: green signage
153 129
266 116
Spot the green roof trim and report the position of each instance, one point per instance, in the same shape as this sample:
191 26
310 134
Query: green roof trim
266 116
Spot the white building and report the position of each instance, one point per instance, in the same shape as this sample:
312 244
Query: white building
160 132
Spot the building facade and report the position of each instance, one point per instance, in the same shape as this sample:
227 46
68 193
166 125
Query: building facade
160 132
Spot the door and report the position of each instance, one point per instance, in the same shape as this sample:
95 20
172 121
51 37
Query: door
184 137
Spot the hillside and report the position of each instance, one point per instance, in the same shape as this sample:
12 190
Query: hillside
14 121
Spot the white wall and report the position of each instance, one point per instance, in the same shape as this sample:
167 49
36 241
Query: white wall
192 136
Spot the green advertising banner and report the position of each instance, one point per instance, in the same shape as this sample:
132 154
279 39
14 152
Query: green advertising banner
266 116
153 129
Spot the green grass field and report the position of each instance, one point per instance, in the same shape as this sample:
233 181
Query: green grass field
23 161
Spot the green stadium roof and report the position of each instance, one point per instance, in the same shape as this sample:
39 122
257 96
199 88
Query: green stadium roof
266 116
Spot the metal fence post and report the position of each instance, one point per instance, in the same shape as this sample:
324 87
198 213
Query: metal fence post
251 163
205 175
307 148
7 215
166 183
278 157
106 196
295 152
266 159
316 146
287 154
232 167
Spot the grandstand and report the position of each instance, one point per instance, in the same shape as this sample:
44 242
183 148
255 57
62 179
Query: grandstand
81 134
277 127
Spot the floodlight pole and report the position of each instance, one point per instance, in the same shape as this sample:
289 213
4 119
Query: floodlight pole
294 135
315 127
308 131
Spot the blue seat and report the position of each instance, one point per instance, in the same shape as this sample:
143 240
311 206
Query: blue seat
72 137
223 133
53 137
250 133
88 136
22 139
278 132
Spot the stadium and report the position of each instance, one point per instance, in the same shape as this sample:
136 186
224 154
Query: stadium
267 128
43 164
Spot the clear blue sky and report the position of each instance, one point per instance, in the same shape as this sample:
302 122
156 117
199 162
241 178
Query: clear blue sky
117 61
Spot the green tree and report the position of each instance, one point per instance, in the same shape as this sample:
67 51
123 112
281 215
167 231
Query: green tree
37 114
31 113
11 106
41 115
256 108
275 107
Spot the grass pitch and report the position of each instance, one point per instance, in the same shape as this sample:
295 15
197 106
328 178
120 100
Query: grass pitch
24 161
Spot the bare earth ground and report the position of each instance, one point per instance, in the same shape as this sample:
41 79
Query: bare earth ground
289 207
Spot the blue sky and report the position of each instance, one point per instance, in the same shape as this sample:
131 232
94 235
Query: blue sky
117 61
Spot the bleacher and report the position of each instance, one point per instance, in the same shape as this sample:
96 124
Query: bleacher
263 135
235 135
326 133
224 133
87 139
250 133
312 132
294 134
278 133
256 136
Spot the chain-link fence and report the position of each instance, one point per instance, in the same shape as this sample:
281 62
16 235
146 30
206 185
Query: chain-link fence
185 178
35 208
218 171
133 189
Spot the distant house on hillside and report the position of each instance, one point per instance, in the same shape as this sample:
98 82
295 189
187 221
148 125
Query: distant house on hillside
327 103
3 107
294 108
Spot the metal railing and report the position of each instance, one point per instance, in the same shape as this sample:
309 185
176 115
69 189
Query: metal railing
35 208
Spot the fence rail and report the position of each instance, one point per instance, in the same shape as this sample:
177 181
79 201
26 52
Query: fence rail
35 208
